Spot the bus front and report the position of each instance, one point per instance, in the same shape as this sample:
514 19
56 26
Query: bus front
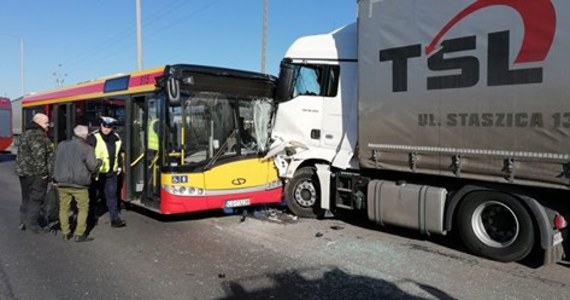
213 138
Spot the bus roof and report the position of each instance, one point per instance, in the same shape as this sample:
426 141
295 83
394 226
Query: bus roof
136 82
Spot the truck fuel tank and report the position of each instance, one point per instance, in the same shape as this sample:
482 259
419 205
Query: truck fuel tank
412 206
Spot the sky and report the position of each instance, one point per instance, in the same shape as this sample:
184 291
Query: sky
70 41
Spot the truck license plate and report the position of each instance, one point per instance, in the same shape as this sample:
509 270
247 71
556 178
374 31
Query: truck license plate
237 202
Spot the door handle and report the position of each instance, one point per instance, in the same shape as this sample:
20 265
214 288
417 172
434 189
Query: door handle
315 134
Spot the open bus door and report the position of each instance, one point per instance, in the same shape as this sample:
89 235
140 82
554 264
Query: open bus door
62 119
143 176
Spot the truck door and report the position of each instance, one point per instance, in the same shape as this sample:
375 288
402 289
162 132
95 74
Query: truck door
301 117
340 111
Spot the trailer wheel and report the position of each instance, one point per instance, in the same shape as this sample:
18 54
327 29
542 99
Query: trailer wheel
496 225
302 193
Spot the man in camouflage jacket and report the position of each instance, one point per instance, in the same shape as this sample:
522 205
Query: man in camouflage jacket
34 166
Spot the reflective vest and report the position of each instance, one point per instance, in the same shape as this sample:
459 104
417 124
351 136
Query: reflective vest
152 136
102 153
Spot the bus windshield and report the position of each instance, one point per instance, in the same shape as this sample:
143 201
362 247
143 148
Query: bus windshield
211 126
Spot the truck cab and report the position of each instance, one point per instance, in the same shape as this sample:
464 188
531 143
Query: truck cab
316 121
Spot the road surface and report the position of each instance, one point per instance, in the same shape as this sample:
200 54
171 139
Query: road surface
217 256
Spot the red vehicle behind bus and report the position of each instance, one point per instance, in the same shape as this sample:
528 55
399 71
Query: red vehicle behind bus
5 123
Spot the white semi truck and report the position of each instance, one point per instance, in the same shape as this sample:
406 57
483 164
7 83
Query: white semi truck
435 115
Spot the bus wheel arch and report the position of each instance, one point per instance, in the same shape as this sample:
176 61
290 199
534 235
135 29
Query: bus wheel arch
496 225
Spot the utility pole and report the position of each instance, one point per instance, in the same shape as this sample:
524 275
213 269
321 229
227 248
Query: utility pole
139 36
22 67
21 60
264 35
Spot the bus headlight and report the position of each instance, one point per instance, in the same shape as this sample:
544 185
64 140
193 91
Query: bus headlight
183 190
273 184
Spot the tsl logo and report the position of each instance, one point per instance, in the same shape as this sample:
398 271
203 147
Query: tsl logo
539 20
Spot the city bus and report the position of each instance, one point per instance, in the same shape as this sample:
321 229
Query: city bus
5 123
194 136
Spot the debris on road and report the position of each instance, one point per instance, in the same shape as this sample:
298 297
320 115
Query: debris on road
270 214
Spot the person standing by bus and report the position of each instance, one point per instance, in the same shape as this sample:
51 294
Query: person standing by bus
34 166
108 147
75 162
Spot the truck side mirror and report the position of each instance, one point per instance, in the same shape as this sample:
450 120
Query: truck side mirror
284 90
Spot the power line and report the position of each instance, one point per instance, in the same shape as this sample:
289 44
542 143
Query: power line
120 38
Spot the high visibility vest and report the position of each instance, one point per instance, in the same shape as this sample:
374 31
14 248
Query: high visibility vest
102 153
152 136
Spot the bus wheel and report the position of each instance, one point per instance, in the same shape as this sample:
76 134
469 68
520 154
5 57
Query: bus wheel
496 225
302 193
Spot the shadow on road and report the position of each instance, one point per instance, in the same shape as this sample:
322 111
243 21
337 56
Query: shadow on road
332 284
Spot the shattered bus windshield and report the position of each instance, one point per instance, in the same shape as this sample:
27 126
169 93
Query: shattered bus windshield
208 127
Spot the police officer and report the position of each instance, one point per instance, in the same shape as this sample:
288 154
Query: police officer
108 147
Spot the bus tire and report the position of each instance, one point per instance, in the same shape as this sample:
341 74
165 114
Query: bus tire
302 193
496 225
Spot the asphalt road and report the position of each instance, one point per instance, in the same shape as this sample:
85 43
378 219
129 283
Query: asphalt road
216 256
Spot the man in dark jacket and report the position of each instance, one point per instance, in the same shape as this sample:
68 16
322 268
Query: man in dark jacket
34 166
75 162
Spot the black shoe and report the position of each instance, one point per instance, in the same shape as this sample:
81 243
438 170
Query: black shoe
83 238
118 223
67 237
22 226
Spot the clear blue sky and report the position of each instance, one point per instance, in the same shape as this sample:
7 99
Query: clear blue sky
95 38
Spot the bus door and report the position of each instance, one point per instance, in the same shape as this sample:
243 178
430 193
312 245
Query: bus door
135 150
62 122
143 175
152 146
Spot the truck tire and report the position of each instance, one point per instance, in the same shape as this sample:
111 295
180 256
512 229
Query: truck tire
302 193
496 225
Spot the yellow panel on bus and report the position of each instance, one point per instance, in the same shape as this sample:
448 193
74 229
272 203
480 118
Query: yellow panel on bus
246 173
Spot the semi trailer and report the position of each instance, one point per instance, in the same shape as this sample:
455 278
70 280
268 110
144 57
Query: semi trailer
439 116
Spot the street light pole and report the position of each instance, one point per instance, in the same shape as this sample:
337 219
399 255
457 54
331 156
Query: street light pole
22 67
264 36
59 77
21 60
139 36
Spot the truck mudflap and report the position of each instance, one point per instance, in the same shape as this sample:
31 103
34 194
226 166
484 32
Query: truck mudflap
412 206
555 253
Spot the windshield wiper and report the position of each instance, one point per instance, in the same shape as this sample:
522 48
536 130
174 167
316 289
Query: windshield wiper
221 150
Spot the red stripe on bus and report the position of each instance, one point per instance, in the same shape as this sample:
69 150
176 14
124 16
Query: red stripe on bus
81 90
134 81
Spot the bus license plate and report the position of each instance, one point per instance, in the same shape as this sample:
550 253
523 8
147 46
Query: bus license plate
237 203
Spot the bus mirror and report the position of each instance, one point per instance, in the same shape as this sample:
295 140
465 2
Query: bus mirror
173 90
285 85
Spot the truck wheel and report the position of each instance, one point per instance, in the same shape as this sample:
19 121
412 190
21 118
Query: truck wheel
496 225
302 193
